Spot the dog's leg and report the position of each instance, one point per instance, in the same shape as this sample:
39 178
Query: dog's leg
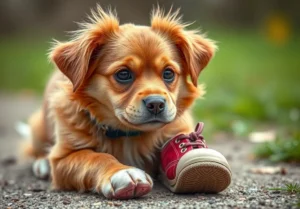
87 170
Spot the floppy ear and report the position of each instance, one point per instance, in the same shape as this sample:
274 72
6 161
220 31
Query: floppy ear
75 58
195 48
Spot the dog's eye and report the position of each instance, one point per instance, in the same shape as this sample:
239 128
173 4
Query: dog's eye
168 75
124 76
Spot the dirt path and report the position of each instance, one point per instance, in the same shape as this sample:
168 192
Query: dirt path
19 189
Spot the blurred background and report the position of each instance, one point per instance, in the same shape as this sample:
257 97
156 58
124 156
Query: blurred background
252 83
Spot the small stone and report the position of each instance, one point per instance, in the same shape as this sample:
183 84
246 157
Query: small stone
261 202
243 192
97 203
117 204
27 194
211 202
110 203
36 190
11 182
275 192
252 190
251 198
9 204
231 204
239 202
8 161
43 197
66 201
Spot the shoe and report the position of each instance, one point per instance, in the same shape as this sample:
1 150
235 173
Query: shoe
189 166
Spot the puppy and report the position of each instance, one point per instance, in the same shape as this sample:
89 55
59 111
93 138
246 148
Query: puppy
119 92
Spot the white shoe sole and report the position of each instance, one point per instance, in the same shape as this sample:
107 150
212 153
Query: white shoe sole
200 170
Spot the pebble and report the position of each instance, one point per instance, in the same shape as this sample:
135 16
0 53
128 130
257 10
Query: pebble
262 202
97 203
251 198
211 201
27 194
66 201
8 161
239 202
252 190
110 203
36 190
231 203
117 203
43 197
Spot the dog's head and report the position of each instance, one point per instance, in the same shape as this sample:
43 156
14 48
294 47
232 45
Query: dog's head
134 76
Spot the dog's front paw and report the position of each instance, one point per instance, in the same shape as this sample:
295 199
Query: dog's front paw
41 168
127 183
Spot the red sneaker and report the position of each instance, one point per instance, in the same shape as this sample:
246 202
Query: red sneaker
188 166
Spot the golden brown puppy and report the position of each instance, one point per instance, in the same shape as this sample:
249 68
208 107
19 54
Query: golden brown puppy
108 75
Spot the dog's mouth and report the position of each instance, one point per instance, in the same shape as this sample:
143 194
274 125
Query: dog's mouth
145 120
150 121
146 125
153 122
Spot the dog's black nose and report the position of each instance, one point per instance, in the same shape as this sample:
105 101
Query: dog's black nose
155 104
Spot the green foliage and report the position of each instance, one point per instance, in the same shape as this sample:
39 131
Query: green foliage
282 149
289 188
251 81
24 64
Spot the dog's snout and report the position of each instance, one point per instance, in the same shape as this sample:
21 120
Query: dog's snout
155 104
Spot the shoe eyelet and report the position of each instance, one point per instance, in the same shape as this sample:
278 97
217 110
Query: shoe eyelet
183 150
176 141
181 145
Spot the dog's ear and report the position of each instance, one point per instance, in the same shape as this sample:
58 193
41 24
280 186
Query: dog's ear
195 49
75 58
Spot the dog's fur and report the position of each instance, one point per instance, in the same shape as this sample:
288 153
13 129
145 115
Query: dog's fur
82 94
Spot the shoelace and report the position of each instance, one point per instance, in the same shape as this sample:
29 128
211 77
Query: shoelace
196 140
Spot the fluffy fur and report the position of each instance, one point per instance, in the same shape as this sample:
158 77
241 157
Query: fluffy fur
81 156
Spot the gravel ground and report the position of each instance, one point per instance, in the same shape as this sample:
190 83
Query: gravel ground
19 189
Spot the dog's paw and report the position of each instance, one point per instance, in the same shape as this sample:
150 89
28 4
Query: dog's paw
41 168
127 183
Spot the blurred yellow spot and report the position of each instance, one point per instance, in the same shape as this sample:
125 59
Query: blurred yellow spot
278 29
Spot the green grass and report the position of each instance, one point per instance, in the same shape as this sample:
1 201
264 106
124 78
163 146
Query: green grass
290 188
24 64
285 148
250 80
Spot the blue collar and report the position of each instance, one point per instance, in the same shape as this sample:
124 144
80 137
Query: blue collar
116 133
110 132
